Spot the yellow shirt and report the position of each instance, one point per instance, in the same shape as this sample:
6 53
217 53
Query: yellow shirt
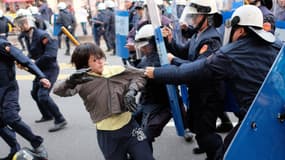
114 122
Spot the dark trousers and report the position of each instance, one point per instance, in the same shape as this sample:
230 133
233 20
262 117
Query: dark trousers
83 26
67 40
9 136
129 139
10 115
203 124
47 106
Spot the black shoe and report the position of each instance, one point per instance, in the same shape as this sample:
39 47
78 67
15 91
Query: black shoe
58 126
41 152
224 127
198 150
43 120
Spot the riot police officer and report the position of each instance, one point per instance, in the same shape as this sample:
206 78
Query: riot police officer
249 44
206 99
9 92
66 19
154 112
43 50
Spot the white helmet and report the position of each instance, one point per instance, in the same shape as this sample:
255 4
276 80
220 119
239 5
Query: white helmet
23 12
251 16
61 6
143 37
101 6
24 16
1 13
201 7
110 4
34 10
144 33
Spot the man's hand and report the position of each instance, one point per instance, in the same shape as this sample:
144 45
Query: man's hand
130 100
79 77
45 82
130 46
149 72
170 57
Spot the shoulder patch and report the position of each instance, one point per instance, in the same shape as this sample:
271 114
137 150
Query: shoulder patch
203 49
45 41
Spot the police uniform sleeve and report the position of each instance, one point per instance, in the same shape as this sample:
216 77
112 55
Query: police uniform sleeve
25 61
50 51
185 73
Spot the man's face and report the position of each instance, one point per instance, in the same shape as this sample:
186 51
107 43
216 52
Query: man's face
128 4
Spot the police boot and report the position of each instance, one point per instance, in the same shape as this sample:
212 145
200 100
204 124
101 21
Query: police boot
41 152
58 126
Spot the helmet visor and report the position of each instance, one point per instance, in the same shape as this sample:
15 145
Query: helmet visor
191 19
138 46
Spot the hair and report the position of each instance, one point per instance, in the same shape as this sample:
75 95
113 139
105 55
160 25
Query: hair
82 53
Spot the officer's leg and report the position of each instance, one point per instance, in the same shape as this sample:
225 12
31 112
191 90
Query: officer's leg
226 124
46 115
9 136
11 117
59 39
206 137
106 39
67 51
44 98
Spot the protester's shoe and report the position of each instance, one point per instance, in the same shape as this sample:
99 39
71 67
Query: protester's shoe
198 150
188 136
43 120
224 127
41 152
58 126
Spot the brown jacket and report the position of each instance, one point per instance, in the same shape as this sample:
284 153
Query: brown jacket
103 96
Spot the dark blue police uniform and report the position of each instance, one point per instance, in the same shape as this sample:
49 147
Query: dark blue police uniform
243 64
9 93
206 97
155 112
45 56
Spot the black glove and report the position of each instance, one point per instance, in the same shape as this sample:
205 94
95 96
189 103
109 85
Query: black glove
79 77
130 100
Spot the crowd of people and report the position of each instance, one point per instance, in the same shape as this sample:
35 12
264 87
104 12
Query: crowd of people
210 57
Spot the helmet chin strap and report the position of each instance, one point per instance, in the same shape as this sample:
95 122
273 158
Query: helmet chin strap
198 27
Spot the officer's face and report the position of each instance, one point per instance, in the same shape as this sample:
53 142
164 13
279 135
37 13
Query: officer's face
23 25
193 19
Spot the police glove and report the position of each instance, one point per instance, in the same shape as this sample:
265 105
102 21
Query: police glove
79 77
130 100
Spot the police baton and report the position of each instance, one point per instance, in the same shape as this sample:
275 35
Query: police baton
70 36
